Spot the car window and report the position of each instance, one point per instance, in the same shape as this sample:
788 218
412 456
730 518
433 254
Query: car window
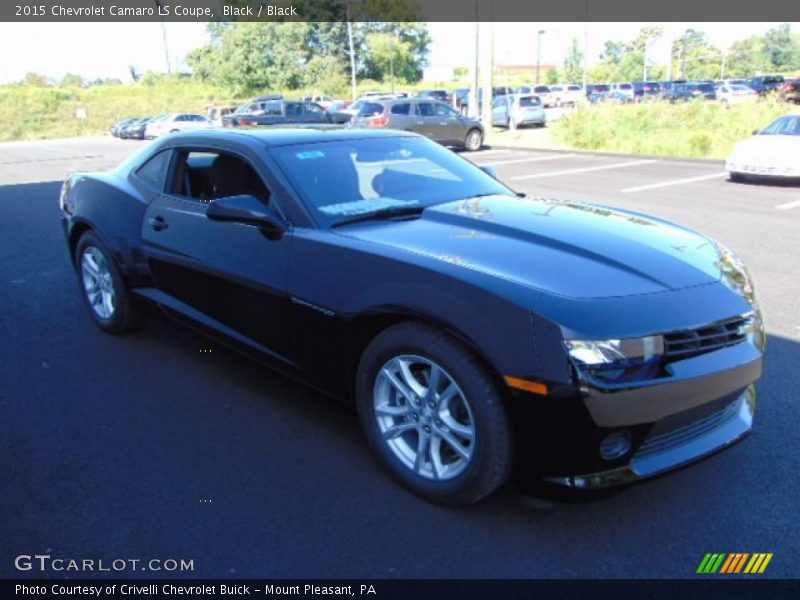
442 110
401 109
312 108
425 109
369 109
294 109
153 171
529 101
541 89
206 176
337 180
273 109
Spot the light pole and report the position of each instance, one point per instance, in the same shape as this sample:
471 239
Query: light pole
164 36
539 52
347 5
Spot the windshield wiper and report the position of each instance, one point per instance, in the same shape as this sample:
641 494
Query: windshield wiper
385 213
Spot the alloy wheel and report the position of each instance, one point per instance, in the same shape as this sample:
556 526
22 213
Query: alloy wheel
424 418
97 282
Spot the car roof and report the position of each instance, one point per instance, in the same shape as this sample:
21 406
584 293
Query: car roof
286 136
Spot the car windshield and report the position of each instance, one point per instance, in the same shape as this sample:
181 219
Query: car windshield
600 88
788 125
353 178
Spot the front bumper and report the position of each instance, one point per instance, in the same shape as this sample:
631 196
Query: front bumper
673 449
702 405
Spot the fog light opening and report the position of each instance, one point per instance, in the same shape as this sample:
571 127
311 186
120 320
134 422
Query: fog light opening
615 445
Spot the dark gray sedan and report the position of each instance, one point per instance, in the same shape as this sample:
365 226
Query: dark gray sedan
436 120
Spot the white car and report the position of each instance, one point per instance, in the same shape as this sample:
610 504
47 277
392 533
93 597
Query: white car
734 93
771 152
174 122
543 91
562 94
324 101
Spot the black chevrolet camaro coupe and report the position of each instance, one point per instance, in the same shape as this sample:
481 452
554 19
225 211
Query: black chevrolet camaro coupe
478 333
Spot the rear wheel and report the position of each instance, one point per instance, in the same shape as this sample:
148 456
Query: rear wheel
432 415
104 291
474 140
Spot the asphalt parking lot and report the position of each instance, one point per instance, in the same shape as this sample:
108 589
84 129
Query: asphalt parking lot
151 446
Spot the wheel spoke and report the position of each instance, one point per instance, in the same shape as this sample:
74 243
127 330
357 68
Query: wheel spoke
398 430
434 379
448 394
461 430
398 385
423 449
454 444
436 456
385 410
409 379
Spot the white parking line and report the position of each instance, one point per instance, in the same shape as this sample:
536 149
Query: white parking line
632 163
480 153
788 205
525 160
653 186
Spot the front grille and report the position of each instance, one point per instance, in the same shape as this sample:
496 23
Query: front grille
693 342
685 434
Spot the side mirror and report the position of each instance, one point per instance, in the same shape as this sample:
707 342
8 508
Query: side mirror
490 171
248 210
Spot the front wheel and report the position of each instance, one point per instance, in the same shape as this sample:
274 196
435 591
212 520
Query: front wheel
473 141
104 291
432 415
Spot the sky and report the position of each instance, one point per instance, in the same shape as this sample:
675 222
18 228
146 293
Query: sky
100 50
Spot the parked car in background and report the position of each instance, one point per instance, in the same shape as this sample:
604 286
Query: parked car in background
597 92
624 92
117 127
431 118
341 111
373 94
324 101
644 90
280 112
733 93
135 129
440 95
518 110
766 84
543 91
175 122
773 151
566 94
692 90
790 92
461 96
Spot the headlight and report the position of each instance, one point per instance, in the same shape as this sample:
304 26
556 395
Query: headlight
735 275
623 354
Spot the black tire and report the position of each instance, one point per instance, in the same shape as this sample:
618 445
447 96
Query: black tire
490 461
473 140
127 314
737 177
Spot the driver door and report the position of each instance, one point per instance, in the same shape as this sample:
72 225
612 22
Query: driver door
225 276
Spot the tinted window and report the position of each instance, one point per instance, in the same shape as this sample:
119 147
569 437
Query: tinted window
312 108
153 171
207 176
273 109
401 109
369 109
541 89
425 109
530 101
442 110
294 109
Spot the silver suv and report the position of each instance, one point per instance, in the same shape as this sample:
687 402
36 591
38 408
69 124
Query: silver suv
436 120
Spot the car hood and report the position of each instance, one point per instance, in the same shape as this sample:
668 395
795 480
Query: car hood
768 150
569 249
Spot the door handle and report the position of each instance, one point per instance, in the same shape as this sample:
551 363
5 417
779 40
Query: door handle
157 223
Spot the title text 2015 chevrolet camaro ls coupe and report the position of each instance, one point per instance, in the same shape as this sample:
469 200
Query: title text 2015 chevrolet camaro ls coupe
477 332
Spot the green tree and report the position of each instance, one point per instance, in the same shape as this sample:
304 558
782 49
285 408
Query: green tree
781 48
552 76
35 80
573 63
323 75
71 80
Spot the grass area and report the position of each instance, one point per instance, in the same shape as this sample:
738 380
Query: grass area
30 112
695 130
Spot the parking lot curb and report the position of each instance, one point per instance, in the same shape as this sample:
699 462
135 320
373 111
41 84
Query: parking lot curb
708 161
